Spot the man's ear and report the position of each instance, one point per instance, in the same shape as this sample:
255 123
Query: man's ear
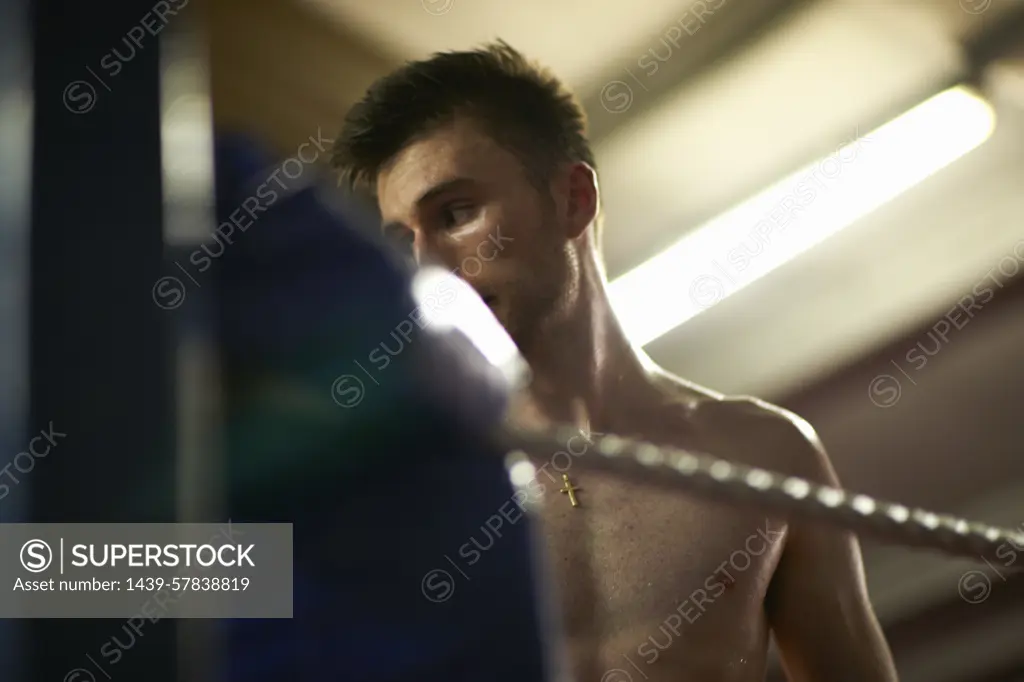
583 199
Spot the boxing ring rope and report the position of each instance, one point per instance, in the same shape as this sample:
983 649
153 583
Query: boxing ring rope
720 480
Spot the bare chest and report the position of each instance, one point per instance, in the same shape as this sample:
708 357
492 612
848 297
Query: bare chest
655 581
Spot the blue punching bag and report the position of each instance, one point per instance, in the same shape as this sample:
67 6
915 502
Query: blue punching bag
335 422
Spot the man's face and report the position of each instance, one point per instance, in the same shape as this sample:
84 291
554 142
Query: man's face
468 205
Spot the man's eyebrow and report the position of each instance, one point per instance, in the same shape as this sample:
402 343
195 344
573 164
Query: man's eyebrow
441 188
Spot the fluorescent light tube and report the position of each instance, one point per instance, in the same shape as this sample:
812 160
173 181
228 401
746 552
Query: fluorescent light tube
747 242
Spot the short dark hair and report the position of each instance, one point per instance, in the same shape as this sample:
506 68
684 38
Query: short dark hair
521 105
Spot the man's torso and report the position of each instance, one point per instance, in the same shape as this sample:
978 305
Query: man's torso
659 586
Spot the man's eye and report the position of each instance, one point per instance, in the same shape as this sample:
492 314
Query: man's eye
457 215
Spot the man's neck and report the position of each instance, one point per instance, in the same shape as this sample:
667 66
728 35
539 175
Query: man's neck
584 366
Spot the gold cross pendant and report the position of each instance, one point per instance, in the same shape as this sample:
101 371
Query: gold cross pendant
570 490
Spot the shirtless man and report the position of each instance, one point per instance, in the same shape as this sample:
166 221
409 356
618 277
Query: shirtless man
654 586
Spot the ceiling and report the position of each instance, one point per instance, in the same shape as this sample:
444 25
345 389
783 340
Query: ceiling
692 111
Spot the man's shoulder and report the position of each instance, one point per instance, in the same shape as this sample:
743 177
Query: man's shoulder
750 413
779 438
703 404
